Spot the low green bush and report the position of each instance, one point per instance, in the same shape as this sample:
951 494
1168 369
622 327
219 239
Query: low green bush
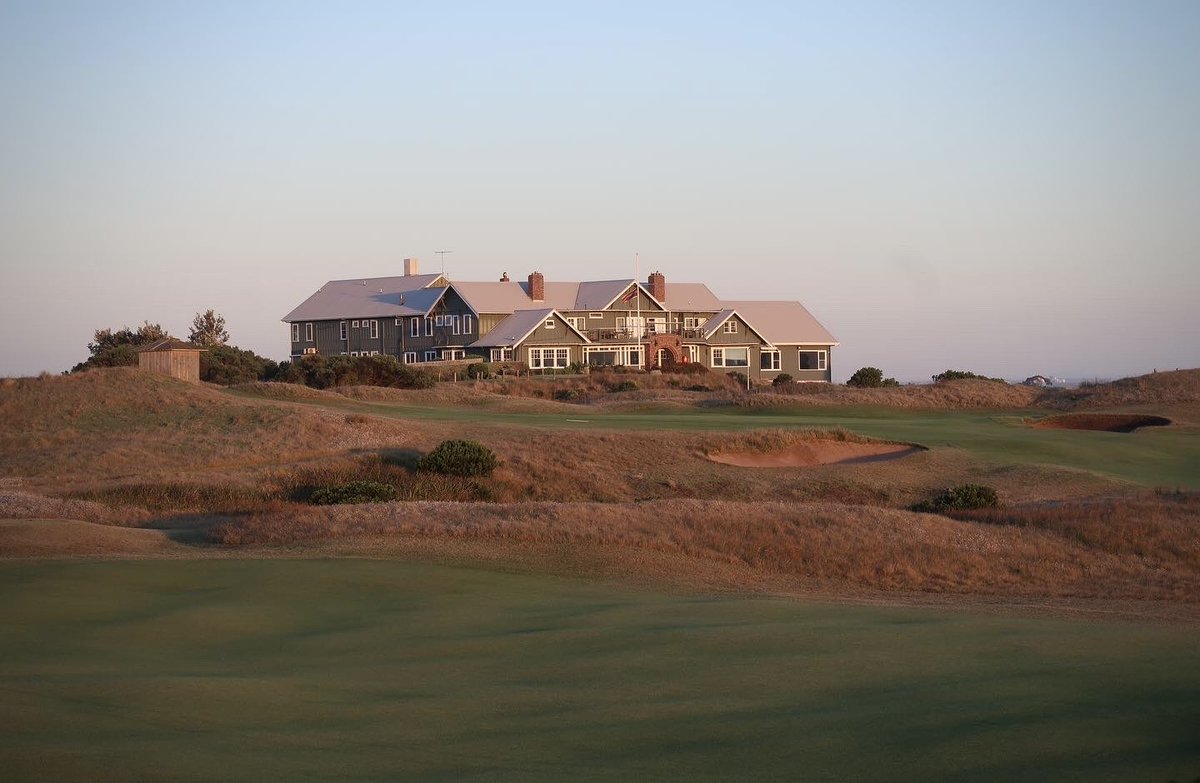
459 458
961 375
353 492
964 496
623 386
781 379
479 370
566 395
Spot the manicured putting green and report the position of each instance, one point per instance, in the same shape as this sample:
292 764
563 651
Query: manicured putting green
354 669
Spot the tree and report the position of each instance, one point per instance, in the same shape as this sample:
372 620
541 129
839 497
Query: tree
228 364
119 348
208 329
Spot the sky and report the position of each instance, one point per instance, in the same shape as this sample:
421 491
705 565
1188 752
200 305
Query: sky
1004 187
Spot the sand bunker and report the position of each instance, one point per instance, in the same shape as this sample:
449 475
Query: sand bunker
817 452
69 538
1101 422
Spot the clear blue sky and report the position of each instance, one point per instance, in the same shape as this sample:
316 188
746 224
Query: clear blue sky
1005 187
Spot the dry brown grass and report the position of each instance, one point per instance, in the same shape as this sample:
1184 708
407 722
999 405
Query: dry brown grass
948 395
792 545
1160 388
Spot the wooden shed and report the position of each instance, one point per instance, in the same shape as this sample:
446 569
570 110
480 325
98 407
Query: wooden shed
172 357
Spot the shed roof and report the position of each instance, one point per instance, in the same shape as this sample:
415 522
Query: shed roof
171 344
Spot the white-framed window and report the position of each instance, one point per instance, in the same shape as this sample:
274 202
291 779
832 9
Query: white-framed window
354 324
549 358
374 330
768 360
397 322
428 328
308 333
730 357
342 330
814 360
450 354
613 355
410 357
468 326
730 327
414 328
295 333
502 354
431 356
657 325
455 326
354 353
575 322
374 353
693 352
549 323
595 316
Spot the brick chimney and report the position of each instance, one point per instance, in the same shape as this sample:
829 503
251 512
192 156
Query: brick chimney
411 267
658 286
537 287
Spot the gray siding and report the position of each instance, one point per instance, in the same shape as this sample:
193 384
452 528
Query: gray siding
743 336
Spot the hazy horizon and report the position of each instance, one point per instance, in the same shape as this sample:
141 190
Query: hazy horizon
1008 188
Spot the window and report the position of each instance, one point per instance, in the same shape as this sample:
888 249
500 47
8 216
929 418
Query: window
431 356
414 328
354 353
397 322
450 354
455 324
342 330
549 358
410 357
814 360
374 330
354 324
374 353
693 353
295 333
730 357
308 333
730 326
468 327
502 354
768 360
549 323
428 327
578 323
595 316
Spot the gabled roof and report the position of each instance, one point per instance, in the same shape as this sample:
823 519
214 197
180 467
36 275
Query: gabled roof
720 318
515 329
372 297
599 294
691 297
783 323
171 344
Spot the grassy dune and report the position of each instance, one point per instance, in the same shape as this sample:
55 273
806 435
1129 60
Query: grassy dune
379 670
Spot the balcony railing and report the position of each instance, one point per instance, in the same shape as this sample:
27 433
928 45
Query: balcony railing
630 335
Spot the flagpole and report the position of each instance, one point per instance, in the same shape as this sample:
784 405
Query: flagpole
637 275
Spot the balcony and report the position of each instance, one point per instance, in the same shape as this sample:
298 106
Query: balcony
633 335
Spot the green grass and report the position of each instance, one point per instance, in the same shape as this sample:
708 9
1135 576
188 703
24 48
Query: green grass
1155 456
289 670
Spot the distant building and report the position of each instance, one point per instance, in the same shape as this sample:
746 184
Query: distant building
548 324
172 357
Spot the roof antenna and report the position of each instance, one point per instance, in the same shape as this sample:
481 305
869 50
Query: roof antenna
443 253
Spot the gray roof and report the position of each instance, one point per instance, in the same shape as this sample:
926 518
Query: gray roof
513 330
720 318
510 296
783 323
691 297
372 297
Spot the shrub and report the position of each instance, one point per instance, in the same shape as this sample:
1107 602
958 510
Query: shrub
459 458
781 379
623 386
964 496
740 377
566 395
323 372
686 368
479 370
575 368
353 492
870 378
960 375
699 387
227 365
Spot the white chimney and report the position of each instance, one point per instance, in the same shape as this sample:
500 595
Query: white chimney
411 267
